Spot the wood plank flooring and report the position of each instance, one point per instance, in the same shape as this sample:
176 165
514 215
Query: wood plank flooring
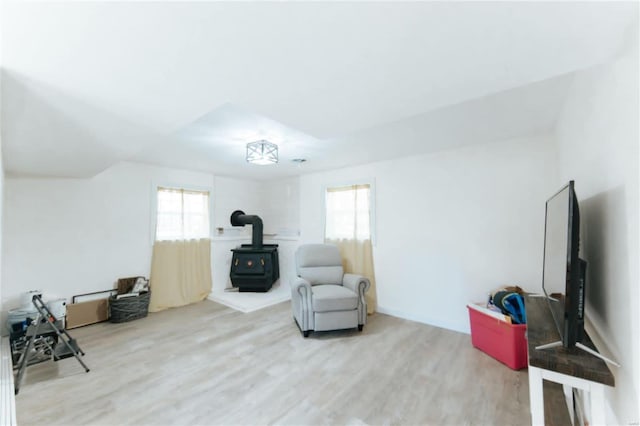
207 364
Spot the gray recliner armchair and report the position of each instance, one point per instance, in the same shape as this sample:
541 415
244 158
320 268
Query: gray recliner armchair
323 297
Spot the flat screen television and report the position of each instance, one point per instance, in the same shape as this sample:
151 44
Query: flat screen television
564 273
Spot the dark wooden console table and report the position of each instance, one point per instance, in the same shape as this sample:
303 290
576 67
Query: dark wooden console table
573 367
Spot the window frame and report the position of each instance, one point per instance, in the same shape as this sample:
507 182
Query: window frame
172 185
372 203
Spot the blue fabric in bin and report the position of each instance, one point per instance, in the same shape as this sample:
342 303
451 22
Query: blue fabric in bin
512 304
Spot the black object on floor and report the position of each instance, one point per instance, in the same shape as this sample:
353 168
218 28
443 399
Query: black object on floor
254 267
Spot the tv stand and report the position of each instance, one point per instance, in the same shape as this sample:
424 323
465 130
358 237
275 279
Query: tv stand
574 368
581 347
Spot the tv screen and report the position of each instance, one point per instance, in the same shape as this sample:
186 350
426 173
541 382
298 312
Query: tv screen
563 277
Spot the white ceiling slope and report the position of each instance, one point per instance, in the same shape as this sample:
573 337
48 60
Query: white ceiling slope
217 141
88 84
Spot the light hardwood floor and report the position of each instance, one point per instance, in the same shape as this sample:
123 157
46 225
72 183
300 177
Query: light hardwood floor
207 364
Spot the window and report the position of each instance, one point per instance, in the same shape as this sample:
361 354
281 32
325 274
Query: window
348 212
182 214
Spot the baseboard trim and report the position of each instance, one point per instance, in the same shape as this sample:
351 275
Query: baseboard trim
7 391
424 319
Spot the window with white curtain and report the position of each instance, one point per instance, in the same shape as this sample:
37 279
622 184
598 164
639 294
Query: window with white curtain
182 214
348 212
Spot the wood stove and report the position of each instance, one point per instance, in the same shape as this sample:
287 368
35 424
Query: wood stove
254 267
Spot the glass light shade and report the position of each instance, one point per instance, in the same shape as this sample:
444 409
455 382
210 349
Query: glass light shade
262 152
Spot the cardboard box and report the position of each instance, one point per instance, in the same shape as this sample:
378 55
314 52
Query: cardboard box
85 313
493 334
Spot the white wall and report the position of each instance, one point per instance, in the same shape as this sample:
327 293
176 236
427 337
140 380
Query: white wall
451 226
1 211
276 202
235 194
597 141
1 169
70 236
280 202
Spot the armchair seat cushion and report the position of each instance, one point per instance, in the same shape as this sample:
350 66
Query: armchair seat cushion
329 298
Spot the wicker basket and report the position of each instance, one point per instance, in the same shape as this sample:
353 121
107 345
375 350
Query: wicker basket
128 308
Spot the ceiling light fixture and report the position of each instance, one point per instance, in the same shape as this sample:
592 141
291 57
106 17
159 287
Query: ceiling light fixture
262 152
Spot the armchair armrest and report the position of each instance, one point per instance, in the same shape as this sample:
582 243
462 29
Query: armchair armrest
301 303
356 283
359 285
301 286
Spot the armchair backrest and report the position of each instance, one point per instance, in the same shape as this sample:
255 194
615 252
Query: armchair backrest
319 264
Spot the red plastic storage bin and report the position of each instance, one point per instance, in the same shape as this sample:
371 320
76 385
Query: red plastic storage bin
503 341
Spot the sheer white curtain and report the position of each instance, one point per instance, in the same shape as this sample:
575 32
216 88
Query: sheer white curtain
181 260
348 225
182 214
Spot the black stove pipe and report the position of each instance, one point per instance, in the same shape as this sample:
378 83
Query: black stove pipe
238 218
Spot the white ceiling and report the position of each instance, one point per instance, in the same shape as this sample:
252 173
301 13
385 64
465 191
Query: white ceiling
85 85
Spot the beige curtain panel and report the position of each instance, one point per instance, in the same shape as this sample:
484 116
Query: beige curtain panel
180 273
357 258
348 225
